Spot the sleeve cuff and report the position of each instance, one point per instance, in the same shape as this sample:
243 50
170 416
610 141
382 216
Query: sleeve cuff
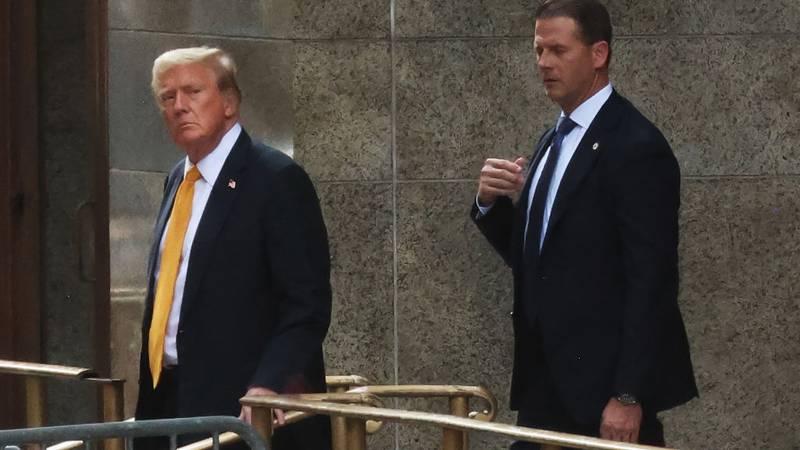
482 210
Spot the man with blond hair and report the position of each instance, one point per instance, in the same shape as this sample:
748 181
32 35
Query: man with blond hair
238 297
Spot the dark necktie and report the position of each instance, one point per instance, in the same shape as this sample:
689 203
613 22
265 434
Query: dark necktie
536 217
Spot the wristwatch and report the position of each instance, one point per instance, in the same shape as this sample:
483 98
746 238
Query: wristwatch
627 399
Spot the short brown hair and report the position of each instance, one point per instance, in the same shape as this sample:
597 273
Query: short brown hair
592 18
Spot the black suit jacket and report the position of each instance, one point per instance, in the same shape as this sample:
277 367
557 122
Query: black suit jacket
257 298
600 299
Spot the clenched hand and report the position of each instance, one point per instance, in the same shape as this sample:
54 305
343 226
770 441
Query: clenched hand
500 177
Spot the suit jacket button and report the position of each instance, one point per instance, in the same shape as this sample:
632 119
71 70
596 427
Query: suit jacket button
180 331
543 277
578 357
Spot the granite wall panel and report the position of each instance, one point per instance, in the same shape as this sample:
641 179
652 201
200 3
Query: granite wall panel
453 303
431 18
342 98
487 18
252 18
741 309
135 198
721 102
127 309
359 222
708 17
459 102
341 19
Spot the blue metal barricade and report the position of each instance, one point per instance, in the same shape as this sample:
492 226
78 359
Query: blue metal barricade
126 431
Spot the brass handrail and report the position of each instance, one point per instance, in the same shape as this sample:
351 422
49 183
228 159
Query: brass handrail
44 370
344 381
294 416
111 390
458 399
433 390
357 415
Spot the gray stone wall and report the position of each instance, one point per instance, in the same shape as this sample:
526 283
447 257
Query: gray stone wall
391 106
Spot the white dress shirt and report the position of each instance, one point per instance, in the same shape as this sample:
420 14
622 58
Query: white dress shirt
583 116
209 168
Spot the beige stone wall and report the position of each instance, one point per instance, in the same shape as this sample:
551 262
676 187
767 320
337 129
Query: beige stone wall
391 105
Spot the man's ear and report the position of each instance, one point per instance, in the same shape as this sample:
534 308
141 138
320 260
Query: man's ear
231 104
600 54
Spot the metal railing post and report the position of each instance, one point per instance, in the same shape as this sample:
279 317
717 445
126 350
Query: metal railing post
34 401
262 422
356 433
456 439
338 425
112 395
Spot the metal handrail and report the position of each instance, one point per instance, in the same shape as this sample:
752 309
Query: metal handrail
294 416
44 370
426 391
458 399
344 381
356 415
128 430
111 389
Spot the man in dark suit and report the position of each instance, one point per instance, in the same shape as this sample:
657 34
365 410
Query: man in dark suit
238 299
600 345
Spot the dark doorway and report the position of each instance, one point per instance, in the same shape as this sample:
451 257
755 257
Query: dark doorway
54 275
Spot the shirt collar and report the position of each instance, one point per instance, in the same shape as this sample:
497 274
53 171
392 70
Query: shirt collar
211 165
585 113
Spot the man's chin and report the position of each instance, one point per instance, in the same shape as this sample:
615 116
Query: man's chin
552 94
186 137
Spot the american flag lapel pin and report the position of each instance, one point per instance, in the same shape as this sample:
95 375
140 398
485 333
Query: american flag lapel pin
232 184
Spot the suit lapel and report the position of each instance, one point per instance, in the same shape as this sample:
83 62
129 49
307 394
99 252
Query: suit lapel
214 216
584 158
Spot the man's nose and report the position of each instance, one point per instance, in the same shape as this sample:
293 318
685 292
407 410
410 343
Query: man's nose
543 61
180 101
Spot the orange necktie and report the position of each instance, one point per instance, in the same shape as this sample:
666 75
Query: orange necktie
168 270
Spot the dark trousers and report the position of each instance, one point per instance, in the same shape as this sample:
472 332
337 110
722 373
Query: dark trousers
544 410
165 407
313 433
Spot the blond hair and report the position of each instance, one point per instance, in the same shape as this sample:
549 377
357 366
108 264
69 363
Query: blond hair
219 61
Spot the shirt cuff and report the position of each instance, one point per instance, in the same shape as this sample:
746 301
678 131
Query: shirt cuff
482 210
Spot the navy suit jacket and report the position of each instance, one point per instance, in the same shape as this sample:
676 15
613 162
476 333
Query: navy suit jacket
257 298
600 299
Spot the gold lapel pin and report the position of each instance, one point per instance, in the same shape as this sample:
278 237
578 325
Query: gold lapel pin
595 146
